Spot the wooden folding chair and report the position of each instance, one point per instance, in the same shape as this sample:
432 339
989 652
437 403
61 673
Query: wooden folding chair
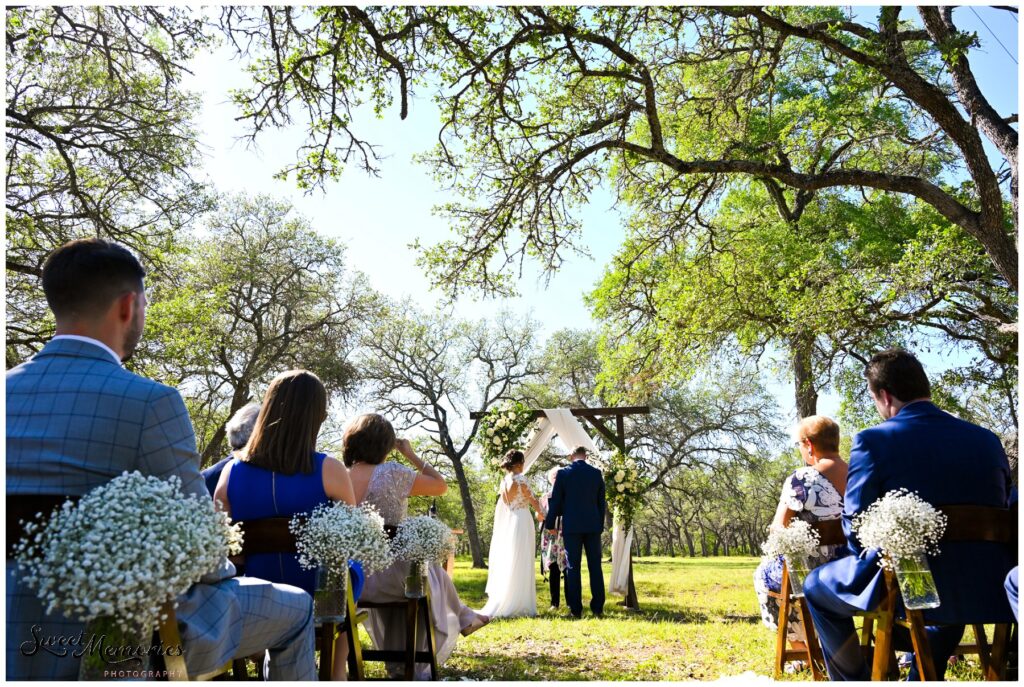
272 535
964 523
830 533
409 656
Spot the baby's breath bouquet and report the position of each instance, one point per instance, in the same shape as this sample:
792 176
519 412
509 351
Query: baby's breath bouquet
796 542
123 550
420 540
904 527
331 535
501 430
624 487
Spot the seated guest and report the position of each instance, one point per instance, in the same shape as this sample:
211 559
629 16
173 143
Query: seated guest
238 429
812 493
946 461
387 486
279 474
76 419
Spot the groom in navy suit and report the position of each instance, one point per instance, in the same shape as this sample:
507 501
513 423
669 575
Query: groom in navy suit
946 461
578 497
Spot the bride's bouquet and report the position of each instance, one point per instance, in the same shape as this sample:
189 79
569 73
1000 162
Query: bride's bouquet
327 538
796 543
904 527
420 540
126 548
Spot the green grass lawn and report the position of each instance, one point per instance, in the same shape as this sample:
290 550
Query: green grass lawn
698 621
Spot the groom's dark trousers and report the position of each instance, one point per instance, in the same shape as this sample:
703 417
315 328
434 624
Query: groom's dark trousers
578 498
575 544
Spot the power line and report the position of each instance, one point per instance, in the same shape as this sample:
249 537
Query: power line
993 34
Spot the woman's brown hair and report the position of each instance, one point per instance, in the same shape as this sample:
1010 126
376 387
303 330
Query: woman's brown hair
284 438
368 439
512 459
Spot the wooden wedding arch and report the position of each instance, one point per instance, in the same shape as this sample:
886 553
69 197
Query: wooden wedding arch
617 438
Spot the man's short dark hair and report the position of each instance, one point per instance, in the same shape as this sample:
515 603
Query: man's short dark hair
578 450
83 278
899 373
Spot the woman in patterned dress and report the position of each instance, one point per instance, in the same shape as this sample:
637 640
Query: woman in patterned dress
812 493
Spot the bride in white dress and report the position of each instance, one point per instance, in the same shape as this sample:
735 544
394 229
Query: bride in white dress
512 576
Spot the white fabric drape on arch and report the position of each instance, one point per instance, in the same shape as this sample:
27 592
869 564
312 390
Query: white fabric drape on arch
561 424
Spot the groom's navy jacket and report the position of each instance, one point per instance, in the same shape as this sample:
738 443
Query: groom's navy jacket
578 497
947 461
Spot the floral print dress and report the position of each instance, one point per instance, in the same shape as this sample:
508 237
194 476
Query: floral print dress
812 498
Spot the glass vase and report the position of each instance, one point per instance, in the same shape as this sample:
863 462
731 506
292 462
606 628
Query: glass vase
917 586
112 652
798 568
329 602
416 580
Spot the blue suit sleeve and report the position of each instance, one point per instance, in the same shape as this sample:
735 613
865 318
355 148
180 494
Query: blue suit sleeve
167 445
602 500
556 504
862 486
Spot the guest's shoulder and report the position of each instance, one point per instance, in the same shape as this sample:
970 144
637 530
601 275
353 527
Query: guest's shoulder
392 468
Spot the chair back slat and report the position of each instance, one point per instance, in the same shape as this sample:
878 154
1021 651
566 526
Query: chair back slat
980 523
830 532
272 535
23 507
267 535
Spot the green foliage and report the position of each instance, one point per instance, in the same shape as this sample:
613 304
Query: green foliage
260 292
101 141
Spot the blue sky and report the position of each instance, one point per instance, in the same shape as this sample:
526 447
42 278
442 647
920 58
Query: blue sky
377 218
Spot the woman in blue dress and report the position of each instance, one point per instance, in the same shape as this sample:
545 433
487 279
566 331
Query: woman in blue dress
279 473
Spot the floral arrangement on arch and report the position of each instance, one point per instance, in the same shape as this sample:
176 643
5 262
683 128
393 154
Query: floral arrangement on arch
624 487
124 549
501 430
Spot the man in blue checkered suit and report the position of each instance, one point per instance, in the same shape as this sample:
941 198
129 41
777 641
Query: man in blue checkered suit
75 419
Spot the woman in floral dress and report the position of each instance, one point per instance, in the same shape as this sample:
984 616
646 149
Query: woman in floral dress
812 493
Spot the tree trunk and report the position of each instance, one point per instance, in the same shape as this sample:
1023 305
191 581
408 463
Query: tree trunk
671 548
801 349
703 541
689 543
476 550
238 399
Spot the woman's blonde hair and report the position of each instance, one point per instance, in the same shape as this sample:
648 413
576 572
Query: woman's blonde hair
821 431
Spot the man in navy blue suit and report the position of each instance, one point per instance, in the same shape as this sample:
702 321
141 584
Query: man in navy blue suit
946 461
578 497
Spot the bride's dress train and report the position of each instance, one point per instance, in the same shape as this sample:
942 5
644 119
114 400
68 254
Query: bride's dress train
512 576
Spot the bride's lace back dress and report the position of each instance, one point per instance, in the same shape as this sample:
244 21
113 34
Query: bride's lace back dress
512 574
388 492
